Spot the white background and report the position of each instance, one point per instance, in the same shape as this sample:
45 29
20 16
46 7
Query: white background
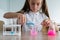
54 10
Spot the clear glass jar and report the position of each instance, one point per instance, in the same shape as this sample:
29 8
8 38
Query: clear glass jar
32 28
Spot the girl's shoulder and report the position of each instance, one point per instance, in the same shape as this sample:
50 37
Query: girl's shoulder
41 12
43 15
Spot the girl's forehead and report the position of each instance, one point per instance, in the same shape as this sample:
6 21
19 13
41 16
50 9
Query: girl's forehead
35 1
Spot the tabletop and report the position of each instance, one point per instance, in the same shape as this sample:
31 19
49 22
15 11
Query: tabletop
39 36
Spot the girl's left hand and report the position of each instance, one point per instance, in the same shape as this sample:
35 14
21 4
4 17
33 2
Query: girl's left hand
46 22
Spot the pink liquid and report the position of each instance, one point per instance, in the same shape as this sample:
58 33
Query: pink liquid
33 32
51 32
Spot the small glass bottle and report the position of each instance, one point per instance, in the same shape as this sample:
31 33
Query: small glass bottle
33 32
32 28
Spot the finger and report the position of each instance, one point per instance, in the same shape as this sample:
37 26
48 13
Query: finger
23 19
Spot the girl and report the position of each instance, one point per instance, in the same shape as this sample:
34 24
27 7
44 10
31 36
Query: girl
35 11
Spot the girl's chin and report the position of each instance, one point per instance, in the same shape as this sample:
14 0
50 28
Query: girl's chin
35 10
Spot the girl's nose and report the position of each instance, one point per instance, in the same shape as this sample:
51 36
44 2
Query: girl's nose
35 6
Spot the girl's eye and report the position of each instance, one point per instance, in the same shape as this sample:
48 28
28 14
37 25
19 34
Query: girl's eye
37 4
33 3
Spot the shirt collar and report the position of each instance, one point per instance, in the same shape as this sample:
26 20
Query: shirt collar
34 13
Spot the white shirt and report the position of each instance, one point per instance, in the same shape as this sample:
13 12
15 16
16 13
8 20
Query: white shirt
35 18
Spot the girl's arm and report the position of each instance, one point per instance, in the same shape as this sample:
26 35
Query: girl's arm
10 15
20 16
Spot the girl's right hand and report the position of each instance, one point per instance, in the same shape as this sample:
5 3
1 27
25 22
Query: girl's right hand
21 19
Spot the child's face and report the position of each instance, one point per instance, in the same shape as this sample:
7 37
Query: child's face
35 5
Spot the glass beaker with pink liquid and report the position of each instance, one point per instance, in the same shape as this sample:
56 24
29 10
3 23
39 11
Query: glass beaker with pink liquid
33 30
52 31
